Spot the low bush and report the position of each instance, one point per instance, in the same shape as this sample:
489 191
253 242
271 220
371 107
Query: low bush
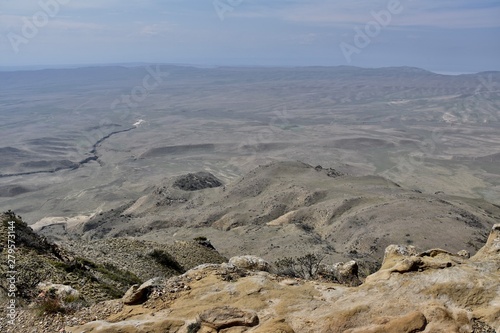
305 267
48 303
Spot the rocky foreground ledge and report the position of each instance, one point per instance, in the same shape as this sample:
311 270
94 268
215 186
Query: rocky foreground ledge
434 291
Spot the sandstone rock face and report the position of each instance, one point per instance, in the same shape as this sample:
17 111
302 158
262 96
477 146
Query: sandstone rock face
410 323
346 273
434 291
226 317
251 263
399 250
139 294
492 246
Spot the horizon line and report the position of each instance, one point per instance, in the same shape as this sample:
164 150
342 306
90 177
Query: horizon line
18 68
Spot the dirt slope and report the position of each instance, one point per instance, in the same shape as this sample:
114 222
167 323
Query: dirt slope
289 208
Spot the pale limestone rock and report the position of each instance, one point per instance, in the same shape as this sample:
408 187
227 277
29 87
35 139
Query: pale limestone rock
434 291
346 273
399 251
61 290
252 263
492 246
139 294
289 282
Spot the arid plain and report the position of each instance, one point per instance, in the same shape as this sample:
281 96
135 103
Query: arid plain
77 143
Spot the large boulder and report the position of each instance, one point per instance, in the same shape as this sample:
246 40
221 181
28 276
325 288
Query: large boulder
139 294
226 316
346 273
61 290
251 263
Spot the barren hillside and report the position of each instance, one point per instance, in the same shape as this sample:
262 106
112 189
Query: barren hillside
292 208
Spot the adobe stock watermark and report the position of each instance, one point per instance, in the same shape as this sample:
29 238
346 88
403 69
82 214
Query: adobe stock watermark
32 25
487 90
122 107
407 165
222 7
488 87
483 106
490 90
250 149
11 274
140 92
364 35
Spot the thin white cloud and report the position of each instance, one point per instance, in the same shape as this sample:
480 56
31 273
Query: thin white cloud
304 39
93 4
143 29
156 29
443 14
15 23
472 18
72 25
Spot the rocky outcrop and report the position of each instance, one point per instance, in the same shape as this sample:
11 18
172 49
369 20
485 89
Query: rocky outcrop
410 323
464 253
345 273
60 290
492 247
139 294
432 291
251 263
226 317
197 181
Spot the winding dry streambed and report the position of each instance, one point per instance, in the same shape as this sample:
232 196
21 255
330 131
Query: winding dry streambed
93 152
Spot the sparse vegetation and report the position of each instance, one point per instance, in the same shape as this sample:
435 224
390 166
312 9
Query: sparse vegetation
197 181
204 241
124 277
50 306
194 327
49 302
38 261
305 267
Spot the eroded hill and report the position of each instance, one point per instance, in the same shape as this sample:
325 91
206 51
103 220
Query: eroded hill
86 272
291 208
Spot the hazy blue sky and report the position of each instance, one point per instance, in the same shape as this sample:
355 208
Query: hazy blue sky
439 35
